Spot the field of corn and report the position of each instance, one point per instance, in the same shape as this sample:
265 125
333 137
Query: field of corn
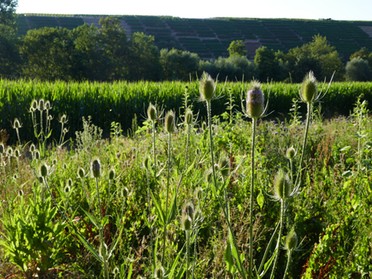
191 180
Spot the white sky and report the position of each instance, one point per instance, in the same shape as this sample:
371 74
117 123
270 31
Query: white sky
310 9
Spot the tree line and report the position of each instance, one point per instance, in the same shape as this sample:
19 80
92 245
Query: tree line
106 53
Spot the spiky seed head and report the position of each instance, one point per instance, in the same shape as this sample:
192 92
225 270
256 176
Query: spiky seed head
47 105
44 170
2 148
63 119
96 168
255 102
34 105
189 210
41 105
37 154
206 87
32 148
290 153
309 88
188 116
169 124
291 241
81 173
16 124
112 174
17 153
282 185
152 113
9 151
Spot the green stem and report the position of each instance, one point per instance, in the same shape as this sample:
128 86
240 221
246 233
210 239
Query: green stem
251 200
166 198
187 253
308 117
287 265
153 146
277 248
209 113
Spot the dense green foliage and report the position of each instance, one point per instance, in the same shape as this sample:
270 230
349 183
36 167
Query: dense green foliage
122 101
146 204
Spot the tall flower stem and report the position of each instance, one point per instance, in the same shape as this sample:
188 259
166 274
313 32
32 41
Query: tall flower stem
307 125
254 124
277 247
209 114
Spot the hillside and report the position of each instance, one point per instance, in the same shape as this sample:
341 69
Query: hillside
210 38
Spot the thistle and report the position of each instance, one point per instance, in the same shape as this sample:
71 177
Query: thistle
282 186
152 113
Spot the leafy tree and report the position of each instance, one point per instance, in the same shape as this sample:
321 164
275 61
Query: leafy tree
318 56
266 64
144 58
237 47
358 69
47 53
178 64
113 41
363 53
9 57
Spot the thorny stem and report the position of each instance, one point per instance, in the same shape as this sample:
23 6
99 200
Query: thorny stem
209 113
277 248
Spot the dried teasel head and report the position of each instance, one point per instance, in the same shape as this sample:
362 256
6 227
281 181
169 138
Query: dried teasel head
206 87
188 116
290 153
291 241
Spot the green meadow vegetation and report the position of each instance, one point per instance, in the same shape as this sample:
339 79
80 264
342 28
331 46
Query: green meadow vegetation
203 179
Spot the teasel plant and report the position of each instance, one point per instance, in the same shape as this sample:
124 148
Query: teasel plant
152 116
309 94
255 108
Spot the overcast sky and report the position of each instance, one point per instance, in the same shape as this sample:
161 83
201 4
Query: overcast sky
314 9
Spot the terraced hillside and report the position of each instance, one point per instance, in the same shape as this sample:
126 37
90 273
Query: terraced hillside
210 38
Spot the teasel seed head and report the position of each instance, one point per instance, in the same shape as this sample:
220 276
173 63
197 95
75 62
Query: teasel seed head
2 148
282 185
169 124
34 105
159 273
309 88
255 102
41 105
81 173
290 153
96 168
152 113
44 170
16 124
206 87
112 174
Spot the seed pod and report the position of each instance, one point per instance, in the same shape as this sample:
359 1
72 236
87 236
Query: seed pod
290 153
169 124
34 105
16 124
41 105
255 101
44 170
309 89
188 116
206 87
112 174
282 185
151 112
96 168
81 173
291 241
